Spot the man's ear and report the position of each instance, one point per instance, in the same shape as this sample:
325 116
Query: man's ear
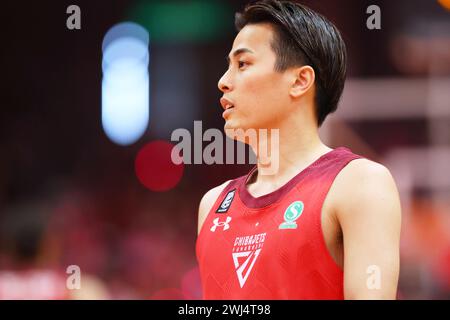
303 80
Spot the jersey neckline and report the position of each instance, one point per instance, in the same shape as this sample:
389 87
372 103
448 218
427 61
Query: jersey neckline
265 200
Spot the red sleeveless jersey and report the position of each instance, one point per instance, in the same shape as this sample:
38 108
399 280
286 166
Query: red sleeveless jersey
272 247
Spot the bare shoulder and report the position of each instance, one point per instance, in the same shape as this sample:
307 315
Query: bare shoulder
364 183
207 202
361 170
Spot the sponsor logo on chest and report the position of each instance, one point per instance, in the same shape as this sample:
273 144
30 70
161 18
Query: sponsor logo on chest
292 213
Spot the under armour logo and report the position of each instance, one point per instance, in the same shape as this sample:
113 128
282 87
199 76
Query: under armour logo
218 223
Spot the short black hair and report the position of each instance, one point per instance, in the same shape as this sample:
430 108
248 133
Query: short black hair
303 37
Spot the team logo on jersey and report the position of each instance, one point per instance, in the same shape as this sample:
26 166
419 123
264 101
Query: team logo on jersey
217 223
245 252
225 205
292 213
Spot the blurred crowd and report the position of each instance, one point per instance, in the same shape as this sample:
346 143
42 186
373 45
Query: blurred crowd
126 247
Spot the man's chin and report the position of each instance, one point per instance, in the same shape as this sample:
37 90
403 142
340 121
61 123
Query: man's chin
230 125
237 132
234 125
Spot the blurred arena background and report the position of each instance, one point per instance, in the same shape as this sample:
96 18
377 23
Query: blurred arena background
69 195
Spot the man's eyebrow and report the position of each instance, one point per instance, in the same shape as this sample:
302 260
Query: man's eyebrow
238 52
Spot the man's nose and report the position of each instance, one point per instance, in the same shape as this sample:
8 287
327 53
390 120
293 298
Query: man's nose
224 84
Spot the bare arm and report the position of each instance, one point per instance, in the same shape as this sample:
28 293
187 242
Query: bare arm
369 214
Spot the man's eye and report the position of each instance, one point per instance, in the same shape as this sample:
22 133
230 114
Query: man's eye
242 64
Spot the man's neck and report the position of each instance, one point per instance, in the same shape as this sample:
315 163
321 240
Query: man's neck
298 147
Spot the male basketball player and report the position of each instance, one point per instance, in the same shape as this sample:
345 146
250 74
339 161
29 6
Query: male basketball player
326 225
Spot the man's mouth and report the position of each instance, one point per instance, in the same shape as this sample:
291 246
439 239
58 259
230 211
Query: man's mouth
226 104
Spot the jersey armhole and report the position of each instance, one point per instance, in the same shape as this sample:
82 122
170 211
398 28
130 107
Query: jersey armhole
322 243
216 202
